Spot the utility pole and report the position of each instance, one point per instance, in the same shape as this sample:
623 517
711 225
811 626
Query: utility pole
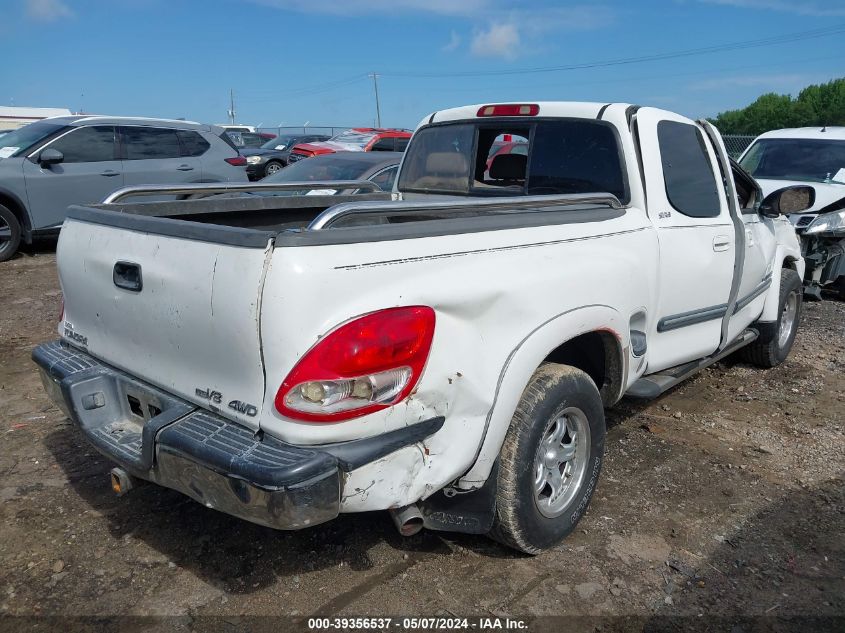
378 109
232 106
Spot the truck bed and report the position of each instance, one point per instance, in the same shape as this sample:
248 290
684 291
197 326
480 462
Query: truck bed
276 213
365 216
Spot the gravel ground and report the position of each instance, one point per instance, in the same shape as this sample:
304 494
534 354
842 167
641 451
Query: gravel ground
720 507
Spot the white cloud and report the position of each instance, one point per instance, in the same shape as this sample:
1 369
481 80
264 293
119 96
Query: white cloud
47 10
500 40
819 9
384 7
453 43
498 26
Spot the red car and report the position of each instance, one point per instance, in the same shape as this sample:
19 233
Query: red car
358 139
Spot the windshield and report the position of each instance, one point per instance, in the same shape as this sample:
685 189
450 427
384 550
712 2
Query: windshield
19 141
351 137
280 142
497 158
809 160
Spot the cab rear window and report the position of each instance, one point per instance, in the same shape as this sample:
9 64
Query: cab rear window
515 157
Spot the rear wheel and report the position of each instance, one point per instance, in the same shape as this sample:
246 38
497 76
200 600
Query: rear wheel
10 234
775 341
272 167
550 459
841 285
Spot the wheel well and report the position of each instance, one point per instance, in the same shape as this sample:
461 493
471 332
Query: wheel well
599 355
19 212
791 263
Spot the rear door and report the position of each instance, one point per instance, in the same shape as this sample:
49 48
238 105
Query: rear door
179 313
687 204
153 155
88 173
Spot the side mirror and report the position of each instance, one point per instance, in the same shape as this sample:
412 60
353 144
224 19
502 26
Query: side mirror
788 200
50 157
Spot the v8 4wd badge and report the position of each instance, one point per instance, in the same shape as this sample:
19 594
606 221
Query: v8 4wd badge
243 408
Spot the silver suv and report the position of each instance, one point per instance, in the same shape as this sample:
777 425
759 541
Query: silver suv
50 164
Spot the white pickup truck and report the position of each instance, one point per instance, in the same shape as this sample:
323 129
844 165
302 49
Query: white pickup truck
445 353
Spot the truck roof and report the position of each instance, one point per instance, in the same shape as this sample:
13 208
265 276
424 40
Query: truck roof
580 109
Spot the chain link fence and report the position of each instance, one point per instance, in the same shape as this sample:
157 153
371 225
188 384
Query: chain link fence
736 143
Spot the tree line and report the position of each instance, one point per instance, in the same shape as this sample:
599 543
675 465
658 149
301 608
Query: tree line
816 105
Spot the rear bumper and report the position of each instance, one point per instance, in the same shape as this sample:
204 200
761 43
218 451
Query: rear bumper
161 438
255 171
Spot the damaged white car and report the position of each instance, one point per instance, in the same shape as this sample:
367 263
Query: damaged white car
444 352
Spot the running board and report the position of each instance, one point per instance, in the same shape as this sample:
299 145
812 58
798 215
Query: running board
651 386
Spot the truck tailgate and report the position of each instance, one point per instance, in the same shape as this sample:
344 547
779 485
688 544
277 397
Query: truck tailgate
190 327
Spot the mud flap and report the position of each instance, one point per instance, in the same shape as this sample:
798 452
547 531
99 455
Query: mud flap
466 512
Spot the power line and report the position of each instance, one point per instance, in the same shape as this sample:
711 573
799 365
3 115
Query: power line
715 72
768 41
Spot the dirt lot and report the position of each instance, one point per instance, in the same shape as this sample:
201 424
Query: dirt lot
720 507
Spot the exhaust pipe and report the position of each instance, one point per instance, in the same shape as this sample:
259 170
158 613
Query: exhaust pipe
408 520
121 481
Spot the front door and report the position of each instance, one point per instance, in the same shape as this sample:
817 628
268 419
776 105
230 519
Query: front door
688 206
87 174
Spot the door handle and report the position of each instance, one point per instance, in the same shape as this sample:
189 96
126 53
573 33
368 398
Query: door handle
109 173
185 168
721 243
127 275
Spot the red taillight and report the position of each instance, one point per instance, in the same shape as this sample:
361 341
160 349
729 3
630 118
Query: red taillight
509 109
237 161
365 365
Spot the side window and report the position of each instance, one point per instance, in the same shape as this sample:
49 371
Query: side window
401 144
384 145
385 178
193 144
144 143
576 156
746 192
690 182
87 144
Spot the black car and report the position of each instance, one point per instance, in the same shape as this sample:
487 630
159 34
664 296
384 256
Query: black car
377 167
273 155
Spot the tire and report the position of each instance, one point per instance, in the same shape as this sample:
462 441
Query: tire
529 516
272 167
10 234
841 285
775 341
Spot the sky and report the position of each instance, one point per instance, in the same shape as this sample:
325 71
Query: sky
292 62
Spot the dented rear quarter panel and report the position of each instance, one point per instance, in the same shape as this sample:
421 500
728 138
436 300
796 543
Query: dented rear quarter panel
503 301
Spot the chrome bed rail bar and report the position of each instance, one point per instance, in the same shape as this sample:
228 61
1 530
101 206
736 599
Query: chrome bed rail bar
234 187
509 204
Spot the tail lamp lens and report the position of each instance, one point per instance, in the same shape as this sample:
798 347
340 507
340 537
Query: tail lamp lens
365 365
237 161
